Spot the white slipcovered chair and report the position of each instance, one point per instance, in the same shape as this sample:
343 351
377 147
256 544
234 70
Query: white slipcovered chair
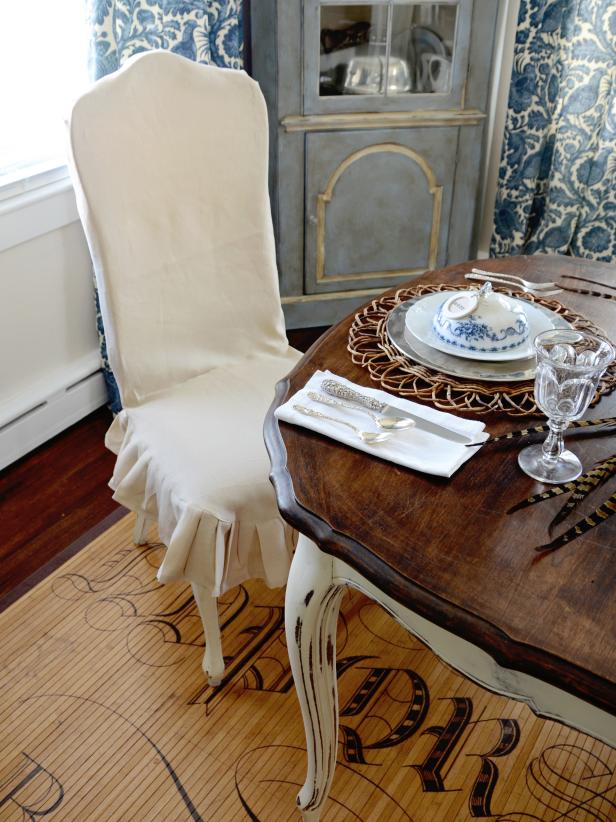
169 162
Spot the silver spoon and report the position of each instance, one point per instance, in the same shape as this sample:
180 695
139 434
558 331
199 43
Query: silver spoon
388 423
369 437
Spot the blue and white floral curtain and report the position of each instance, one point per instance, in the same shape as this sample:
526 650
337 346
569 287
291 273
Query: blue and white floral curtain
207 31
557 180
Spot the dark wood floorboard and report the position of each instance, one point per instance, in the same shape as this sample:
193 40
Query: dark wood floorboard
52 496
303 338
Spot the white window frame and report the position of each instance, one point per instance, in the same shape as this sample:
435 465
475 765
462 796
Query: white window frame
33 177
36 205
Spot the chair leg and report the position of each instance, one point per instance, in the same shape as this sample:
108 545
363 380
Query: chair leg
141 527
213 662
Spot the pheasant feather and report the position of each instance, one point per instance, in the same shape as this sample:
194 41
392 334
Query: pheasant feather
597 476
587 280
540 429
589 293
554 491
580 489
599 515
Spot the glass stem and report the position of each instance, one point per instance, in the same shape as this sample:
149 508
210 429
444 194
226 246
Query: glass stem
554 445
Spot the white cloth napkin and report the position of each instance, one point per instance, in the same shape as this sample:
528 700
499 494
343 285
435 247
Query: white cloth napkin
412 447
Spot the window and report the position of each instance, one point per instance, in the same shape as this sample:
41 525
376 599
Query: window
43 68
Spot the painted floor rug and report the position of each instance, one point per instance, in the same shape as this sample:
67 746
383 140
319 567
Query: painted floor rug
105 714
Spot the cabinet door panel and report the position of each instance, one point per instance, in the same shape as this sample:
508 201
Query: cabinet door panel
385 55
378 206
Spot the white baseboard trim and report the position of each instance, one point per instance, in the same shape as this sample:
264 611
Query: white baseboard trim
51 415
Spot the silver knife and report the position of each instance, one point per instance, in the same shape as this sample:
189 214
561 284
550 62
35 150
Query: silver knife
337 389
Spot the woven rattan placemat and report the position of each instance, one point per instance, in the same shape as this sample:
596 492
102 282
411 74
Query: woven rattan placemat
370 348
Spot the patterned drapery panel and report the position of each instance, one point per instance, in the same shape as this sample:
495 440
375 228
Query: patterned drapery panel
557 180
208 31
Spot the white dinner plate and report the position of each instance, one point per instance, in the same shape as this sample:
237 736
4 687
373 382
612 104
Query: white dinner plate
419 323
505 371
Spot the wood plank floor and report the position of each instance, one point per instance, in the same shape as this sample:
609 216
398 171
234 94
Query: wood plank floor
105 714
52 496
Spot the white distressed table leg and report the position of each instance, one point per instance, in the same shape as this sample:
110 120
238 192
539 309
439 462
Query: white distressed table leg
141 527
213 662
311 616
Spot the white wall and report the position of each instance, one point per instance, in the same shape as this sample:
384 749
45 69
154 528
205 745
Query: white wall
49 362
46 312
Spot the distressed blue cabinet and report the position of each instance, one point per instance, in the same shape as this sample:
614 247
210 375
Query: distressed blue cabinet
377 114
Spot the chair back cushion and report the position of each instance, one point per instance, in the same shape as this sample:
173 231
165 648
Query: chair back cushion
169 160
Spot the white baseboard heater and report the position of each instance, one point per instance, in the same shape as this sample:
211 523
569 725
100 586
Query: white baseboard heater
30 420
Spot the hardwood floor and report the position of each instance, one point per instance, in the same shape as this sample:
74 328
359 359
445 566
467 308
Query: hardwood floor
52 496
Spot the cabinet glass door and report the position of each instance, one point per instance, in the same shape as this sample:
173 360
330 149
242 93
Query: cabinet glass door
394 54
353 49
393 48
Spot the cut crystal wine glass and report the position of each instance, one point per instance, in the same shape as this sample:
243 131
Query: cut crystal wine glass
569 366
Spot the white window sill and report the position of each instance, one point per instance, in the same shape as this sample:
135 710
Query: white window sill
30 177
35 206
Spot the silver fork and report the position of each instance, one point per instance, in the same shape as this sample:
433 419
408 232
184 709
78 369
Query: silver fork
494 278
528 283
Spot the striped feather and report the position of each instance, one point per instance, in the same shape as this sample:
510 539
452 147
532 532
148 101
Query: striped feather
523 432
540 429
589 293
592 479
599 515
554 491
587 280
575 485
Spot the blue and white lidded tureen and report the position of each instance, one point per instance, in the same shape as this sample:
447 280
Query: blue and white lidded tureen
481 321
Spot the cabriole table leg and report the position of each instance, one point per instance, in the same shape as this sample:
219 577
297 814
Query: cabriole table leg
311 616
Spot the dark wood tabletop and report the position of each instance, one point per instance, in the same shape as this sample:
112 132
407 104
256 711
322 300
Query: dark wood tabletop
447 548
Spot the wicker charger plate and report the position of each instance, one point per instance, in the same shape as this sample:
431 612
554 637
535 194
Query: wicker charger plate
370 348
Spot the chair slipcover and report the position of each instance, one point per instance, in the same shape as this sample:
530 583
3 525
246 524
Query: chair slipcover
170 170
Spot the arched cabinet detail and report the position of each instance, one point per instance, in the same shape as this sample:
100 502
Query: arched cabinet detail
405 217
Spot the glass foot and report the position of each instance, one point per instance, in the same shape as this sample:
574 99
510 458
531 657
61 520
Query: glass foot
565 468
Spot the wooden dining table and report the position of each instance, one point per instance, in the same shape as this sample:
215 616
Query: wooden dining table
444 556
